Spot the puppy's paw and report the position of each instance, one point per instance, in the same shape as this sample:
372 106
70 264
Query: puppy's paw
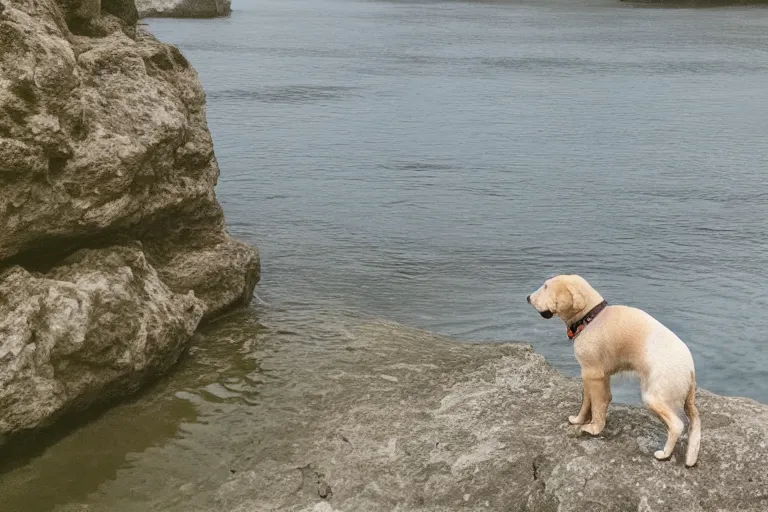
659 454
591 429
575 420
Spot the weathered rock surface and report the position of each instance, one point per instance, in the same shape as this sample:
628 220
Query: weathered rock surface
221 275
386 418
104 142
309 411
97 325
184 8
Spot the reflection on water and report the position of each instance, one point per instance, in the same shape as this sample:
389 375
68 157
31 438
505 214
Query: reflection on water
76 458
176 424
172 447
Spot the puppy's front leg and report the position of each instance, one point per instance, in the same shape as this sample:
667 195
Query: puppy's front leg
600 397
585 413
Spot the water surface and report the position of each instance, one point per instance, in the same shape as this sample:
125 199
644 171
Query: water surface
432 163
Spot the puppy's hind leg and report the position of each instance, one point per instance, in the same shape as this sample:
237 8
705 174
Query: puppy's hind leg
673 423
694 428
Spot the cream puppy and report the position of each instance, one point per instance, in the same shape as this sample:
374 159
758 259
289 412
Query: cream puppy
612 339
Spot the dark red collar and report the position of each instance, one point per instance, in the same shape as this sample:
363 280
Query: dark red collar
575 328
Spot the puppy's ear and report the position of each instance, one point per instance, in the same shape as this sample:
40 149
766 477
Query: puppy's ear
577 298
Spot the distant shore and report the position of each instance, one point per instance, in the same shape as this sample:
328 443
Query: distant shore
682 4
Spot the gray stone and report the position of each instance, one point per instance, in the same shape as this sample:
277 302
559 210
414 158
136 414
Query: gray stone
109 138
222 275
81 9
472 427
184 8
96 326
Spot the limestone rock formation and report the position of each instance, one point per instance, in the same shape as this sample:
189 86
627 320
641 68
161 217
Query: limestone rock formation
104 143
96 325
184 8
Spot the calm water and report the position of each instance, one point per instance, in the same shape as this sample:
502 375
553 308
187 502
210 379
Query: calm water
432 163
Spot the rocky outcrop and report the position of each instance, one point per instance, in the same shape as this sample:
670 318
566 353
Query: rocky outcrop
385 418
184 8
98 324
103 144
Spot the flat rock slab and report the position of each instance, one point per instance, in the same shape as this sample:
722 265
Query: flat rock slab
397 419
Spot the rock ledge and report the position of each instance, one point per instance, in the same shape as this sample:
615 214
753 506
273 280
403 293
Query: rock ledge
390 418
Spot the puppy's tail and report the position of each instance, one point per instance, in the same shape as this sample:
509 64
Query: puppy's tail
694 427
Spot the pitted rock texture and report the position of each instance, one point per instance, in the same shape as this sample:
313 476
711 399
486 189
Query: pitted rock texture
97 325
104 143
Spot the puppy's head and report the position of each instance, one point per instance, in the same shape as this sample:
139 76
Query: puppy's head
563 296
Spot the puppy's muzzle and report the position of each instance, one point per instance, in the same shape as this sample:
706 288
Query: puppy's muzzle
545 314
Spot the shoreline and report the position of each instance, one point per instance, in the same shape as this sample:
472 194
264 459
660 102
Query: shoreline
358 414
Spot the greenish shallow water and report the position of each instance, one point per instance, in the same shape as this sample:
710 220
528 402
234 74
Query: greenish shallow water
171 447
431 163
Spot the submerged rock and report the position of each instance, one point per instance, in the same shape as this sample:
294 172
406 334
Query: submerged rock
184 8
104 142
